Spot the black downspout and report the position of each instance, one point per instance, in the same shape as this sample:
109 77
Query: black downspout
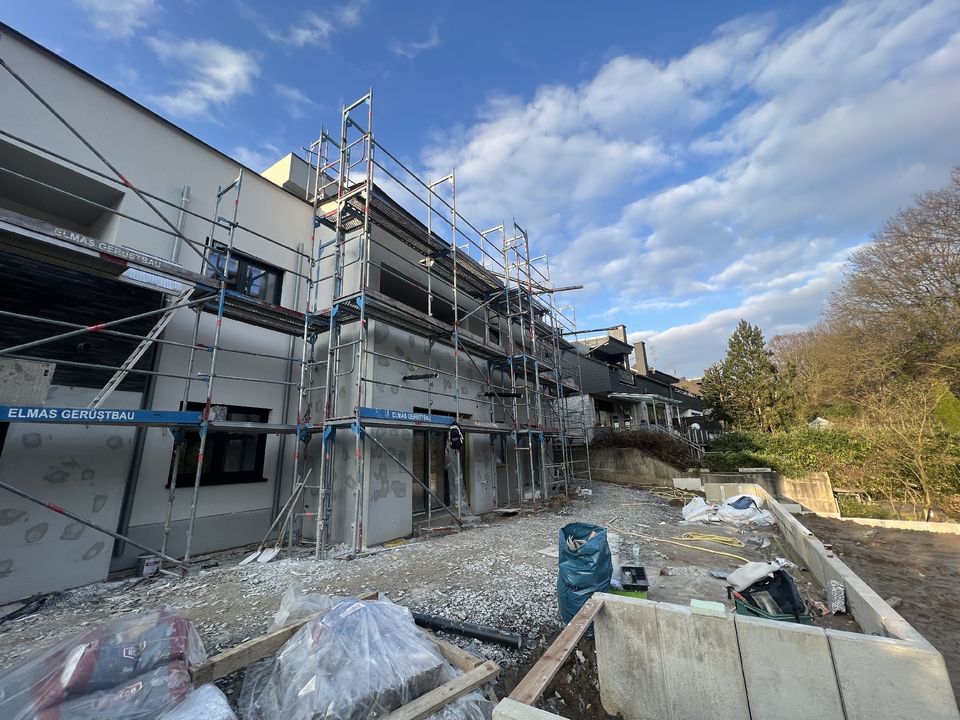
139 440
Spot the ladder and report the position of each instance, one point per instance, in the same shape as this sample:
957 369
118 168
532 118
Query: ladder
118 377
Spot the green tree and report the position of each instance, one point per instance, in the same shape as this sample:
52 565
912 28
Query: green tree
746 389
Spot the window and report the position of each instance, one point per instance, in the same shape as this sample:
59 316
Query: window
499 449
247 275
229 457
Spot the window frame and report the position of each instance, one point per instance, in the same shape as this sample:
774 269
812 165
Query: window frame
244 264
216 450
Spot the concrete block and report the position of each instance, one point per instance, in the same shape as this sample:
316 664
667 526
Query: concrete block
688 483
508 709
701 663
629 659
886 678
720 491
788 671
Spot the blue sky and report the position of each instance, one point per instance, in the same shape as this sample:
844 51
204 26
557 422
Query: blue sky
689 163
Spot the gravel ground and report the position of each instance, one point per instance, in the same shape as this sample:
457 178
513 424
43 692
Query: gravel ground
493 574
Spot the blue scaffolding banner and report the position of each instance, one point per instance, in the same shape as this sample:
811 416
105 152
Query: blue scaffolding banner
403 416
91 416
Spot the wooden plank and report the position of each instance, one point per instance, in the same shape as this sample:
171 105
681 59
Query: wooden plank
535 682
430 702
456 656
252 650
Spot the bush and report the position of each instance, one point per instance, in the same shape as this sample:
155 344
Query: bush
659 445
733 461
851 507
792 452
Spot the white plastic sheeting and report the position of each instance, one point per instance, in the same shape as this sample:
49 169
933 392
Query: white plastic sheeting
699 510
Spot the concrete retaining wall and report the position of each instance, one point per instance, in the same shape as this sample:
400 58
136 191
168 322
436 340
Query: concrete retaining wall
629 466
661 661
918 525
813 491
870 610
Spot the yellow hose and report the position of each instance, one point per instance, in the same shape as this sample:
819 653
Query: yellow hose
718 539
690 547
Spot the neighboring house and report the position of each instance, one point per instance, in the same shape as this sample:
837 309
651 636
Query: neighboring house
347 339
618 395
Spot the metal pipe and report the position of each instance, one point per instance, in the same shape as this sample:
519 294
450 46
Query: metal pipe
84 521
134 336
363 255
181 218
481 632
99 327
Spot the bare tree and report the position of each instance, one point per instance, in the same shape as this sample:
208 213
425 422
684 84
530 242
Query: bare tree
914 460
904 286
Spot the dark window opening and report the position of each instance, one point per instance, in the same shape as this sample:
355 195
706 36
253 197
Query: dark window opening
394 285
247 275
31 286
229 457
48 190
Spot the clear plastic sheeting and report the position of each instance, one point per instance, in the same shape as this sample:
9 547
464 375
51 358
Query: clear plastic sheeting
207 702
736 510
131 668
297 604
358 660
472 706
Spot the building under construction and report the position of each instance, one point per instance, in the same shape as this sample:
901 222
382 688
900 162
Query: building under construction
196 357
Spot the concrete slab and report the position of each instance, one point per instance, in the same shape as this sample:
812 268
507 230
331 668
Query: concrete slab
508 709
688 483
629 659
788 671
886 678
701 661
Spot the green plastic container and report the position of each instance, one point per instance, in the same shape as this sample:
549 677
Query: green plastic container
634 581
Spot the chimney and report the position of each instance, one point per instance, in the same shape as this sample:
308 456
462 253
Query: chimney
619 332
640 364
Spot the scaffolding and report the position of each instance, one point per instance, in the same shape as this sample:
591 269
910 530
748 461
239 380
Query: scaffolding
488 302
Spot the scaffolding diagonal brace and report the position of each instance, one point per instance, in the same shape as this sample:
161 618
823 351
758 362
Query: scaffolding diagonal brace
139 351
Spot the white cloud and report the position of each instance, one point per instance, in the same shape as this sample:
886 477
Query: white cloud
114 19
740 173
350 14
215 74
411 49
312 29
690 347
296 100
256 159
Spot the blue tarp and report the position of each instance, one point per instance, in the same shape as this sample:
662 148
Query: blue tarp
584 571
